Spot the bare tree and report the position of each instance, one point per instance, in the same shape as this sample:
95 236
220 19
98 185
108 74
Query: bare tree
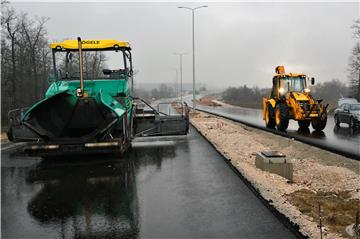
94 62
10 32
25 59
330 92
33 32
354 62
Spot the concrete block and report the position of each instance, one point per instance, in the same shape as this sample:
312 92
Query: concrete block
275 162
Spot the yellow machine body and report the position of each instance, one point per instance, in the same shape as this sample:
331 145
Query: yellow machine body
290 97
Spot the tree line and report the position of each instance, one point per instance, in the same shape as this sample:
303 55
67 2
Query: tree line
354 63
329 92
244 96
93 65
164 91
25 59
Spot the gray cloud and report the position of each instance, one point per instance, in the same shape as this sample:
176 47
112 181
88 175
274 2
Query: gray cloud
237 43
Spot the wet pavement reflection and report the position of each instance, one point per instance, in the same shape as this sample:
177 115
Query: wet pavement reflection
342 138
346 132
175 187
84 200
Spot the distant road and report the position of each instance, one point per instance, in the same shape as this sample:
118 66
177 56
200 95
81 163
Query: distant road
342 140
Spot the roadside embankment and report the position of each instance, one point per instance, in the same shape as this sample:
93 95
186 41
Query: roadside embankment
208 100
320 177
213 100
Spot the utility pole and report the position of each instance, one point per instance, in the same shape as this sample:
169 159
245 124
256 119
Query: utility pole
180 62
176 88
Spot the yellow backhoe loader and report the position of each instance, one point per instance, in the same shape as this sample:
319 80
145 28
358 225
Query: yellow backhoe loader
291 98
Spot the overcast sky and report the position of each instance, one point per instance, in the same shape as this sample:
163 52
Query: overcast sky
236 43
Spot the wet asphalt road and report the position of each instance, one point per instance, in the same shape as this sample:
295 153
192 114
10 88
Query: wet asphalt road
343 139
178 187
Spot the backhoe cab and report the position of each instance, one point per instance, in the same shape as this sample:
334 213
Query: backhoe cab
290 98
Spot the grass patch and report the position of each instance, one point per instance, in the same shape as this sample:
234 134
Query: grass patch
338 210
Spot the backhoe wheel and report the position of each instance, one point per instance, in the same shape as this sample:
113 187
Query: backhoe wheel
319 123
337 120
9 134
352 123
270 117
281 116
304 124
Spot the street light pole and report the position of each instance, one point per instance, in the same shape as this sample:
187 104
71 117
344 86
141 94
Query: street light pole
193 51
180 60
193 47
176 89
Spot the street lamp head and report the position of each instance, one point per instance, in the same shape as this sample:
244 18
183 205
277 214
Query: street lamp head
200 7
180 53
193 8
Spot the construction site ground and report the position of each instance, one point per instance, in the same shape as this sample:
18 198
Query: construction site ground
320 177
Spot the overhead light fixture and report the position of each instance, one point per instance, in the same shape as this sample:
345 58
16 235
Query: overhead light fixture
281 91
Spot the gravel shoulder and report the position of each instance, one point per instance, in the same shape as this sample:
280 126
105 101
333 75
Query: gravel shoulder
320 177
